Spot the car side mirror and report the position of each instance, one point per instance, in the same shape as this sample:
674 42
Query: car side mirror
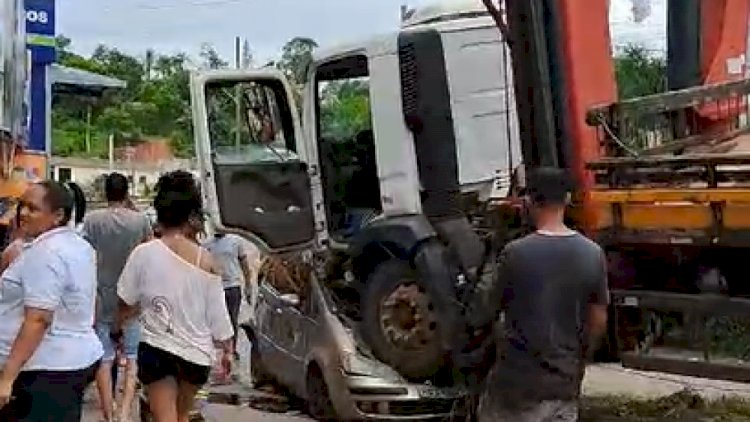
290 299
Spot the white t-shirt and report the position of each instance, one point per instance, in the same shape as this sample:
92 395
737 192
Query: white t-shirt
55 272
182 306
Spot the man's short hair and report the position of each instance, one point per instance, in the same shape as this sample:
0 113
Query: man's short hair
549 186
116 187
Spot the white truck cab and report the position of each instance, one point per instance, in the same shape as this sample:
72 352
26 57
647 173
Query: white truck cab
438 138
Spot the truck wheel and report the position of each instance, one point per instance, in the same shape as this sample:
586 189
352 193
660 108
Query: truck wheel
319 404
400 320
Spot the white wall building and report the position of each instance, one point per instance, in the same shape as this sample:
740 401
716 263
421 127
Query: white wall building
142 176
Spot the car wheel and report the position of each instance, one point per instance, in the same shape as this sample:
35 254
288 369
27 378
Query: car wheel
319 404
400 320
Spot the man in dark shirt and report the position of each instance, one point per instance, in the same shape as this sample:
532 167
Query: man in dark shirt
552 288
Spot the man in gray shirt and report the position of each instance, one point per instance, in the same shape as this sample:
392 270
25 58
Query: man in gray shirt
552 288
232 253
114 232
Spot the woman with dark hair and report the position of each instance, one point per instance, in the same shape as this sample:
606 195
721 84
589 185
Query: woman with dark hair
48 348
173 285
79 204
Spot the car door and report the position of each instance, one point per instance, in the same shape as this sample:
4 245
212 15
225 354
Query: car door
276 330
253 160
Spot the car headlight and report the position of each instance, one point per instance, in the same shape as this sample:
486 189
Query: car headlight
355 364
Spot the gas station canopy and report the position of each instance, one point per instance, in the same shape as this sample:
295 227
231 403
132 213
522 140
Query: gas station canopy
78 81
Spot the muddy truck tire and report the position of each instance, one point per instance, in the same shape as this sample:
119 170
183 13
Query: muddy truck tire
409 311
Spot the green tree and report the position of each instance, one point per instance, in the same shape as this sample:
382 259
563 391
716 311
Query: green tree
345 109
639 74
296 56
211 58
156 102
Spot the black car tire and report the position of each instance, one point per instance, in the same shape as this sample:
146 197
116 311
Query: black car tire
415 364
319 404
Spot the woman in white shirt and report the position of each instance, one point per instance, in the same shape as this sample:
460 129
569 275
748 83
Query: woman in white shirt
173 284
48 348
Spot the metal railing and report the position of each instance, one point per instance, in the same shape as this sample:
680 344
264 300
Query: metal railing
699 134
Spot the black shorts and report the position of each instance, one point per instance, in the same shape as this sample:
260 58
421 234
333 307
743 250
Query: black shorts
50 396
155 364
233 297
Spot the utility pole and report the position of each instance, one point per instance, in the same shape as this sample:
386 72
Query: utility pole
238 96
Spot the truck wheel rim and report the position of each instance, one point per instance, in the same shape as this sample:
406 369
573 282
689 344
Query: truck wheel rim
407 317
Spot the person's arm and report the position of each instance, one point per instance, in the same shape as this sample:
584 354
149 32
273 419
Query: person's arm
490 295
87 231
10 254
599 301
43 280
243 255
218 317
128 291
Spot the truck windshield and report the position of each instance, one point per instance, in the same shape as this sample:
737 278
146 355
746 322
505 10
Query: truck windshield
249 122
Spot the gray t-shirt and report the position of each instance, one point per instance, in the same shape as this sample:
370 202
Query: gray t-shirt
228 250
114 233
545 285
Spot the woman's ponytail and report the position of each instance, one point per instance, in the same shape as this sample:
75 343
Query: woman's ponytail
79 203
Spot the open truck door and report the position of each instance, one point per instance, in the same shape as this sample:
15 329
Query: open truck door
251 156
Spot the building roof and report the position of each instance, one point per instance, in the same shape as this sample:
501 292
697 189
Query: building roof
61 75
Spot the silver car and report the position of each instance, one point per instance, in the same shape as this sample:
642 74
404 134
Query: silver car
300 343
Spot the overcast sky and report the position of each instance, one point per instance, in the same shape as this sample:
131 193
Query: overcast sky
183 25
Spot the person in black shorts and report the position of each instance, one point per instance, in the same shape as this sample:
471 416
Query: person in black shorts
175 286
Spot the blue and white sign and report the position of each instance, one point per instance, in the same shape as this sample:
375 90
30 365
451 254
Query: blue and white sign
40 30
41 43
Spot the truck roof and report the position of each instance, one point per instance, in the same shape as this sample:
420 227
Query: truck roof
445 10
444 16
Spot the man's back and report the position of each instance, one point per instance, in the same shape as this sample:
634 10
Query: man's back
550 281
113 232
228 250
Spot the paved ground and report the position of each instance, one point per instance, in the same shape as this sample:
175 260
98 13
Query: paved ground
614 380
601 380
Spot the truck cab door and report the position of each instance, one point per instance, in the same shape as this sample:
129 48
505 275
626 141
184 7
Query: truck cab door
251 157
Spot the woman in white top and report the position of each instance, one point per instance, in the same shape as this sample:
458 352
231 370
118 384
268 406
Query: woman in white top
48 348
173 284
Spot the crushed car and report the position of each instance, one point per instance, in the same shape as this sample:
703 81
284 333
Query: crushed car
303 340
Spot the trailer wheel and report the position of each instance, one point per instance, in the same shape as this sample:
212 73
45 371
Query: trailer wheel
400 321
